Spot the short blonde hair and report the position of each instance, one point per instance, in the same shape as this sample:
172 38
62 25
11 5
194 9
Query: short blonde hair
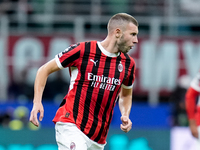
120 20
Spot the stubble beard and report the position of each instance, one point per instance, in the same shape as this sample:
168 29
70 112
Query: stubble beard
123 46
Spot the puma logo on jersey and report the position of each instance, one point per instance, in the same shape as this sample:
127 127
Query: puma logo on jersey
95 62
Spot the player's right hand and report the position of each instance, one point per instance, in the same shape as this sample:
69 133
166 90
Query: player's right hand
37 108
126 124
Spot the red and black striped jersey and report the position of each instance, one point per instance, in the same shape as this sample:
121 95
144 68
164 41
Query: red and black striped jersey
96 80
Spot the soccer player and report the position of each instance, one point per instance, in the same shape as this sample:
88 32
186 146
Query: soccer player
192 100
100 73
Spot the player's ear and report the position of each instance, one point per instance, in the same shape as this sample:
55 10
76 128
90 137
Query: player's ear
118 33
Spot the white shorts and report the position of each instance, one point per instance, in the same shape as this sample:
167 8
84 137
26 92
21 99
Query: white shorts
69 137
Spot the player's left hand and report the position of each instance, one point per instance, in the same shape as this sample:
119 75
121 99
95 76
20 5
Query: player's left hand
126 124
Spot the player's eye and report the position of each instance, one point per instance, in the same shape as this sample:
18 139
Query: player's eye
133 34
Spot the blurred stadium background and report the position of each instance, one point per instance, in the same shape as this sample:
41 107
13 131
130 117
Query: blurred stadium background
167 57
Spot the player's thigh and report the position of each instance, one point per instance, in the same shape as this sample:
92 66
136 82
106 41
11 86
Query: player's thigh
69 137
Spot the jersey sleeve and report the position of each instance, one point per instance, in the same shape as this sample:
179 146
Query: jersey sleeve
69 57
128 82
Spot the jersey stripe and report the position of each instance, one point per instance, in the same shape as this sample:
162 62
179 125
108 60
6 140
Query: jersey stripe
99 100
117 75
71 59
111 100
90 89
80 83
127 65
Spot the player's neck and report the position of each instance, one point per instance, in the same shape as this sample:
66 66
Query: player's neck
109 45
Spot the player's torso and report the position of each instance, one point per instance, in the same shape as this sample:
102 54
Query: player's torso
99 76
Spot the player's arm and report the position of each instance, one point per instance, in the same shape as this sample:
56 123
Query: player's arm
190 100
40 82
125 104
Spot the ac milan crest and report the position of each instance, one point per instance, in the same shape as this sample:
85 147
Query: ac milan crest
120 67
72 146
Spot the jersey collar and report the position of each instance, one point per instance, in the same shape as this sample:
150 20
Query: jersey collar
105 52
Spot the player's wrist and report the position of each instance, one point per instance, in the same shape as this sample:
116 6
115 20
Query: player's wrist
36 102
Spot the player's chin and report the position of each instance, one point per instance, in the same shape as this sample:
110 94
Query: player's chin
125 51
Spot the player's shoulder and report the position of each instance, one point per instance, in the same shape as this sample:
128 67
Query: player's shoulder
127 57
89 42
80 44
72 46
85 43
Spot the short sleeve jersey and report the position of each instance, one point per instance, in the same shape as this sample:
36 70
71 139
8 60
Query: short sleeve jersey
96 80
